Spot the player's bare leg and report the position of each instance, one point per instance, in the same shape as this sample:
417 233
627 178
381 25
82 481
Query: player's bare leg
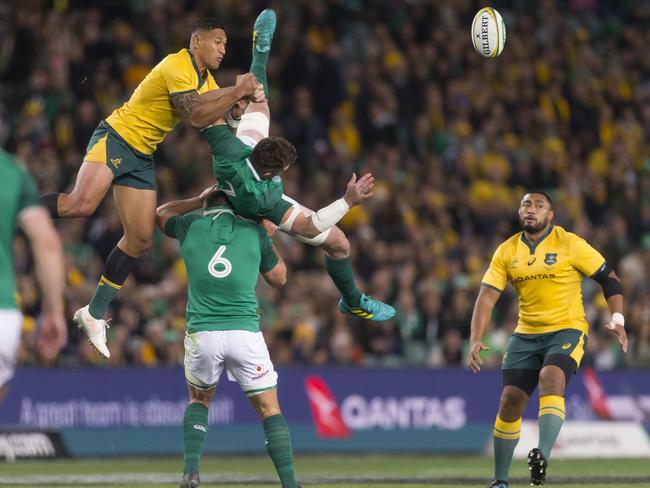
92 183
277 436
137 210
507 429
552 383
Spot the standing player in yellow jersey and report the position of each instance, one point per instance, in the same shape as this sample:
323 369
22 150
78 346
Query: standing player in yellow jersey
120 153
546 265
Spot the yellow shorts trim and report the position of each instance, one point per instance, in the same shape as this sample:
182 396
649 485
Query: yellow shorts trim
579 351
97 153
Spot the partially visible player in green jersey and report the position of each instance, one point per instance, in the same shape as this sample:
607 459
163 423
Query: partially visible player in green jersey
546 265
223 256
248 167
19 205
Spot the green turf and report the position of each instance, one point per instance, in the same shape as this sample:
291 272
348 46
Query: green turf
322 467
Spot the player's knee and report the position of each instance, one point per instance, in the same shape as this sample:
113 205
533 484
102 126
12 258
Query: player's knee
136 245
551 381
511 403
337 245
81 206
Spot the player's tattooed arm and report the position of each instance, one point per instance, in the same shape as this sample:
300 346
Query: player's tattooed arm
186 102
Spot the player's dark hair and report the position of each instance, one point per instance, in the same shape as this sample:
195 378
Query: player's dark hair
273 155
206 24
541 192
218 198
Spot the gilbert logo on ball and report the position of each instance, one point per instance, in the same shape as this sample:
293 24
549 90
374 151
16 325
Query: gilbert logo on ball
488 33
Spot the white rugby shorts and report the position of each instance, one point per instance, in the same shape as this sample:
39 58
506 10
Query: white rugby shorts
11 322
242 353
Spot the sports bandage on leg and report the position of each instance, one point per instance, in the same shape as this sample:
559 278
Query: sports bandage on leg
314 241
254 122
329 216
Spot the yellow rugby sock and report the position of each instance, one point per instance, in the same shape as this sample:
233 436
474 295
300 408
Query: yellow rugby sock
551 418
506 437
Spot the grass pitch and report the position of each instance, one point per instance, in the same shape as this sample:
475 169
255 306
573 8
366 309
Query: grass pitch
320 471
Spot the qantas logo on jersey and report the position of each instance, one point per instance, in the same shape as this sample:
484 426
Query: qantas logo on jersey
359 412
539 276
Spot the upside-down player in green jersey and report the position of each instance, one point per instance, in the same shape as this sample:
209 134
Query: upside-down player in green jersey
224 255
19 205
247 169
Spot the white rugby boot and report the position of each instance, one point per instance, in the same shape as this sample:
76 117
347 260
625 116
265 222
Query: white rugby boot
94 328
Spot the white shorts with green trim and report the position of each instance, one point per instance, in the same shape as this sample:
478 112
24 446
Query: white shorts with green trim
242 353
11 321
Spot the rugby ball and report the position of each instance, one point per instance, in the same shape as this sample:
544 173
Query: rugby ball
488 33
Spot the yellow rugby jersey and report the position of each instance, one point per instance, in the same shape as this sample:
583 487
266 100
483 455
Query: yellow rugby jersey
547 277
149 115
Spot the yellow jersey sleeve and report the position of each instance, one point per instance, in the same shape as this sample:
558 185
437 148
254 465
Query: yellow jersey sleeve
178 75
496 275
583 257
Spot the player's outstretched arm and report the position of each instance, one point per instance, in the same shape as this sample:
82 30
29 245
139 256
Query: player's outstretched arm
180 207
613 291
487 298
202 110
48 256
311 225
277 277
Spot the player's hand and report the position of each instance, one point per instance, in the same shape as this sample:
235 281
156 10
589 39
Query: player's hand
246 85
359 190
269 226
53 335
258 95
207 192
475 361
619 330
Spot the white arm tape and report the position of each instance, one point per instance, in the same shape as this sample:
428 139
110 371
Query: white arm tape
329 216
287 224
231 121
255 122
314 241
618 318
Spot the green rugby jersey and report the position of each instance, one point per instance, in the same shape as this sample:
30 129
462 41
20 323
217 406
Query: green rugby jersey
18 192
252 196
223 257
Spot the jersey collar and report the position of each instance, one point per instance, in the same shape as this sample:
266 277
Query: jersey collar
217 211
532 247
202 78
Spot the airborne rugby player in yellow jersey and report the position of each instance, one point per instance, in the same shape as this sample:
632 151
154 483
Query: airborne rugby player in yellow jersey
546 265
120 153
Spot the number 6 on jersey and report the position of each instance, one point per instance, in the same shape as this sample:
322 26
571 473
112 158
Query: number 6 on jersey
217 260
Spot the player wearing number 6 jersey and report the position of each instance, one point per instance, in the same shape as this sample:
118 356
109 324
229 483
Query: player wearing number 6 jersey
546 265
223 255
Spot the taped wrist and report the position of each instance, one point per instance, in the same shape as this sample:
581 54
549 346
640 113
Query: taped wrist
329 216
611 286
618 318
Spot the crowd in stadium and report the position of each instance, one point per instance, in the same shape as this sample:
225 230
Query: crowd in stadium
453 140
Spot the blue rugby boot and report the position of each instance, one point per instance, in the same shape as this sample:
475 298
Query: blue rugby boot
263 31
369 308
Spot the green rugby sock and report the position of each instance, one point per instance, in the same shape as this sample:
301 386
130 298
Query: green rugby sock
116 270
551 418
340 270
195 430
506 437
258 68
278 445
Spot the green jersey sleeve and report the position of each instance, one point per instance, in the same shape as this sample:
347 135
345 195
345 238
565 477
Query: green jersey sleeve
269 258
178 225
28 194
226 148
